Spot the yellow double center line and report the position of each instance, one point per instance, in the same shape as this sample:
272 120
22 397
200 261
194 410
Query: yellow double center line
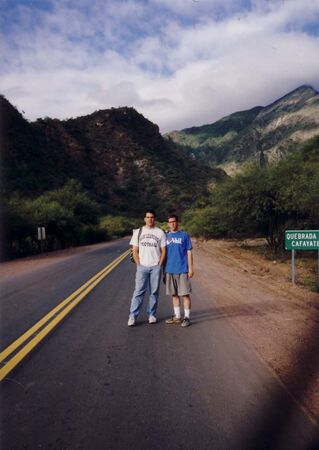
32 337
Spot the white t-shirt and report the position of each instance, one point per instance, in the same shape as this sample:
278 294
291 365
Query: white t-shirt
149 245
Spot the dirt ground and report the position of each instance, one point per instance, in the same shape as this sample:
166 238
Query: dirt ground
279 320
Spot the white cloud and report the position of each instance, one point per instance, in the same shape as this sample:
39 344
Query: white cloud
177 72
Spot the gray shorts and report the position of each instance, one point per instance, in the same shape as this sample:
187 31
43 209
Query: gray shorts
178 284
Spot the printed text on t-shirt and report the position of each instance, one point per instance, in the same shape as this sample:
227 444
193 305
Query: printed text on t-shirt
174 241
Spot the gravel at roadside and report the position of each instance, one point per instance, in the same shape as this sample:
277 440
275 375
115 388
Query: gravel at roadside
280 321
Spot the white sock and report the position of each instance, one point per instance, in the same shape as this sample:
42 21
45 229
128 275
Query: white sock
177 312
187 313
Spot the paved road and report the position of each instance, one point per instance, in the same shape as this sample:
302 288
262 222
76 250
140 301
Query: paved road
96 384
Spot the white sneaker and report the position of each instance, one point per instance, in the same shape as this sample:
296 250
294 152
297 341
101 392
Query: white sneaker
131 322
152 319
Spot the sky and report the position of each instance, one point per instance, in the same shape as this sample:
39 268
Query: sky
180 63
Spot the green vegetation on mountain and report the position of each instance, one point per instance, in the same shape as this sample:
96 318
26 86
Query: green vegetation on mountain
263 201
117 159
261 134
208 142
90 178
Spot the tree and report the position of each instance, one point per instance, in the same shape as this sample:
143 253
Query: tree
68 214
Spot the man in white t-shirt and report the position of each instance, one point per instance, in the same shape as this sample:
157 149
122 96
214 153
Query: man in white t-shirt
149 250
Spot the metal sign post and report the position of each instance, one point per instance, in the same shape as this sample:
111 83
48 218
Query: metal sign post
293 267
301 240
41 237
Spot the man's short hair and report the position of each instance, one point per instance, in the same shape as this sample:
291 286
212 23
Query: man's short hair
173 216
150 211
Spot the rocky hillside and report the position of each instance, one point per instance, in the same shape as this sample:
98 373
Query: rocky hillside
262 133
119 156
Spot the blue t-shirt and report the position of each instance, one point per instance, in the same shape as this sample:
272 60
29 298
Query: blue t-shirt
177 245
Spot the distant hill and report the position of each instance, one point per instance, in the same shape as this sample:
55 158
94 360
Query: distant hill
262 133
119 156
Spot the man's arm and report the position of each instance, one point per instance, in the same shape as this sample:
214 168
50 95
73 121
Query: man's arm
136 255
190 263
163 256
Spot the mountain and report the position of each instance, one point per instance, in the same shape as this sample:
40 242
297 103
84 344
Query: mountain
261 133
119 156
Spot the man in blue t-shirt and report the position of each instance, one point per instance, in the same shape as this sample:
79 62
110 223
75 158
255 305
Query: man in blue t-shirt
179 270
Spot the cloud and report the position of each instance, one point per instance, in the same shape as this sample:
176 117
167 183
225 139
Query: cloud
126 94
179 63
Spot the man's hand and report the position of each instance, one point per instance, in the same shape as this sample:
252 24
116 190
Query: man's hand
163 257
190 263
136 256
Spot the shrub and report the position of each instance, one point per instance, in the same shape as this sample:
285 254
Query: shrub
119 226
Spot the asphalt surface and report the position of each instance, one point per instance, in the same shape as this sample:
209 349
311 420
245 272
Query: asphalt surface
94 383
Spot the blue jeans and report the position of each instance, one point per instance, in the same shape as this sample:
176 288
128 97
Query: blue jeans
146 277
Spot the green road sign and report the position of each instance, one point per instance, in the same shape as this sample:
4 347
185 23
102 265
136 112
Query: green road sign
302 239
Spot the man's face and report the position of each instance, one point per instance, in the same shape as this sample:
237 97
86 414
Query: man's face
149 220
173 224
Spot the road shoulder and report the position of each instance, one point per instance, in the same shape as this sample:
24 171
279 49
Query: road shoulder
279 321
